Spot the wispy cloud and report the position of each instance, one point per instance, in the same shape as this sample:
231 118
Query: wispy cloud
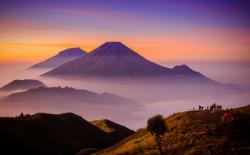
156 34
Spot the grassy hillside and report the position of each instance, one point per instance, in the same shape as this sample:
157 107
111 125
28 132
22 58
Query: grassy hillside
114 130
191 133
40 134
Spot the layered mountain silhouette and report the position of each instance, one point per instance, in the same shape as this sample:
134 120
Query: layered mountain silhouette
22 85
61 58
50 134
115 60
58 95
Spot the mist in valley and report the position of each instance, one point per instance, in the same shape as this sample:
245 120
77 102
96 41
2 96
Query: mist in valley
151 98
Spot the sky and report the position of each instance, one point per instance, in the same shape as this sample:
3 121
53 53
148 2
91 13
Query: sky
161 30
211 36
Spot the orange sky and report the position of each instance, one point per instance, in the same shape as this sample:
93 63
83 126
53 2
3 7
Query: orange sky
31 32
40 45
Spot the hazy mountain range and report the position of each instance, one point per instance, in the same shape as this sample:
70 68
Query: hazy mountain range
60 96
114 60
114 63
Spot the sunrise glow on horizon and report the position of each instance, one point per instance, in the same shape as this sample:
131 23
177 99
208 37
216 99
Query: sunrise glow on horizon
158 30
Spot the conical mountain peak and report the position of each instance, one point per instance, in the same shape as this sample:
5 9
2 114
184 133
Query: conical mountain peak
116 60
114 44
113 48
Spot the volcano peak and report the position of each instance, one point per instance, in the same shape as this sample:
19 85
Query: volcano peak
114 48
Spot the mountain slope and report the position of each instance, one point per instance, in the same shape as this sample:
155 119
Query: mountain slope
61 58
22 85
193 132
58 95
62 134
114 130
115 60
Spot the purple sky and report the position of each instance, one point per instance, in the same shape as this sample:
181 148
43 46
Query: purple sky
159 29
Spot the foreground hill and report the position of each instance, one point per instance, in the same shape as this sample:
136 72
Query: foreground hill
61 58
48 134
114 130
58 95
191 133
22 85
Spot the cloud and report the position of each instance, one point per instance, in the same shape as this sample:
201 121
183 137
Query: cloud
153 38
21 24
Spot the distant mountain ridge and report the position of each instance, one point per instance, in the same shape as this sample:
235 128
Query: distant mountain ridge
115 60
58 95
61 58
24 84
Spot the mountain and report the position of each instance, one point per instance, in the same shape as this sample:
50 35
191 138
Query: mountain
58 96
114 64
50 134
115 60
61 58
22 85
114 130
192 133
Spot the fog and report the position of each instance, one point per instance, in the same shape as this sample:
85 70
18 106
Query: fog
152 98
233 72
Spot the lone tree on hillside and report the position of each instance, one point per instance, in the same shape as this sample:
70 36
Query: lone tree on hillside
156 126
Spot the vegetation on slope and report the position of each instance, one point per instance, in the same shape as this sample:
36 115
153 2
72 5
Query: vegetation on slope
193 132
114 130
